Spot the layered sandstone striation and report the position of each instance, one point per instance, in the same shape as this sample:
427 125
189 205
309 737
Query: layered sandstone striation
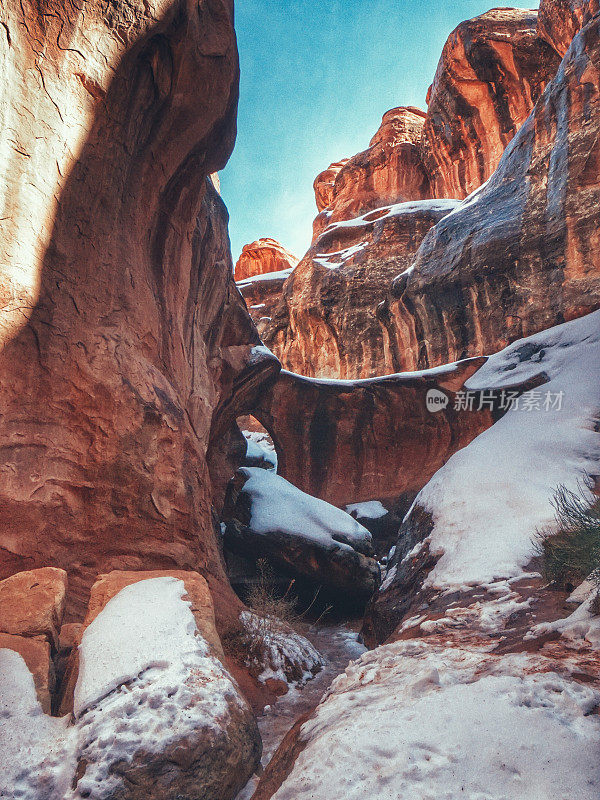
325 324
261 257
126 350
492 71
519 255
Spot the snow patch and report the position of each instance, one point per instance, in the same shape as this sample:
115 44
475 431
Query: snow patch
267 276
416 720
277 505
36 751
259 446
339 257
370 509
580 629
488 500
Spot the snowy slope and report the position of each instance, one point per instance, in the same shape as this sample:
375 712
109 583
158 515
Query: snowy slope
413 720
490 497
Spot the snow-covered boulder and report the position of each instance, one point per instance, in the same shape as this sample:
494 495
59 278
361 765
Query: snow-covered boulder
299 535
417 720
157 714
37 752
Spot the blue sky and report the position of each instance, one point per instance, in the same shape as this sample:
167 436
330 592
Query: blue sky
317 75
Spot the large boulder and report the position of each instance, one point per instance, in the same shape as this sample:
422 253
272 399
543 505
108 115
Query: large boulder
31 611
521 253
299 535
474 523
126 351
156 715
32 603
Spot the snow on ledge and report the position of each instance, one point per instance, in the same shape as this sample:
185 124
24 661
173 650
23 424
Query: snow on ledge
278 505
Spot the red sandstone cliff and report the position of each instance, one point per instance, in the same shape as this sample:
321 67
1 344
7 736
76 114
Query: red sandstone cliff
126 348
492 71
262 257
520 255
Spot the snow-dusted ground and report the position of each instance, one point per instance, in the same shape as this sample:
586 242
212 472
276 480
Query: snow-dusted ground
415 720
37 752
581 629
338 645
489 499
277 505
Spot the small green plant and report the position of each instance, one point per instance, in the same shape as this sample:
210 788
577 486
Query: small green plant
570 548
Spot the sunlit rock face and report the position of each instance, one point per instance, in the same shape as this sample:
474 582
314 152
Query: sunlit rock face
492 71
521 254
326 323
560 20
389 171
336 317
261 257
125 344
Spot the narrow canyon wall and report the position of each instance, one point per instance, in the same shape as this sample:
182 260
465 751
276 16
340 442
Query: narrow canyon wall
126 349
333 319
492 71
522 253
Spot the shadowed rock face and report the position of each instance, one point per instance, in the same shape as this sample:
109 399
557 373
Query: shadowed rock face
126 348
326 324
389 171
355 441
522 254
263 256
492 71
560 20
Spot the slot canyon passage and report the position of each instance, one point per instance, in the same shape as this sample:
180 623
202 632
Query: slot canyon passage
310 527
